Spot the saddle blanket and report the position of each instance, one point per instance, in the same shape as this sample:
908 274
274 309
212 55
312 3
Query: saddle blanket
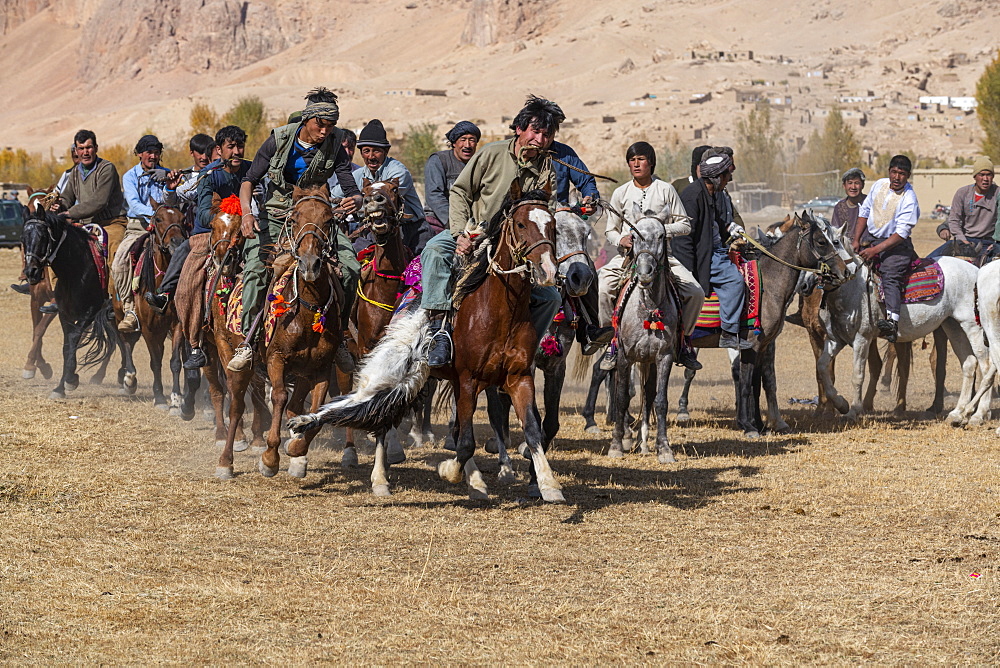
926 282
231 309
411 279
98 244
709 318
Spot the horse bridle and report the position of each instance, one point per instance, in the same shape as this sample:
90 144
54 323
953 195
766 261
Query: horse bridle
323 235
519 255
45 261
160 239
400 213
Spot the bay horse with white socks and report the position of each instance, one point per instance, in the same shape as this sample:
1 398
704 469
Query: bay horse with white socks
497 346
50 240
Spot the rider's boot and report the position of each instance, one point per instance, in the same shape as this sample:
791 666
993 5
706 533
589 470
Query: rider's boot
242 357
157 301
196 359
129 323
888 329
734 342
597 338
48 308
610 359
344 359
440 353
20 288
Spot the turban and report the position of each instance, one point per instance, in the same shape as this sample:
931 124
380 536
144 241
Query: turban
463 128
327 111
715 165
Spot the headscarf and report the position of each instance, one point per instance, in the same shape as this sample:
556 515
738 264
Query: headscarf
696 156
463 128
326 111
713 166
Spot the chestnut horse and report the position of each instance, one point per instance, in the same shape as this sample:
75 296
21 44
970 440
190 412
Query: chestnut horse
307 333
167 230
495 339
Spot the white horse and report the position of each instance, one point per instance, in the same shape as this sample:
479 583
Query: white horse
988 299
851 311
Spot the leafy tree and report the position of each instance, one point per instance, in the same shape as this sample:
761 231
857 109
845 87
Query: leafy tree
419 142
204 120
988 109
250 114
835 150
758 139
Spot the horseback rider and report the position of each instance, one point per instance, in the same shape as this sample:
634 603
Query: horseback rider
477 196
649 193
202 148
143 182
223 178
973 215
443 168
885 222
379 166
845 213
303 154
704 252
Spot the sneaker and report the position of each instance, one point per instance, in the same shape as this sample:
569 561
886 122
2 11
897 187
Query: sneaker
344 359
158 302
242 357
888 330
734 342
610 359
129 323
441 347
196 359
686 358
51 307
20 288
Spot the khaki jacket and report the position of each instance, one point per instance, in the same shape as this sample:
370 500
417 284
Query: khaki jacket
96 199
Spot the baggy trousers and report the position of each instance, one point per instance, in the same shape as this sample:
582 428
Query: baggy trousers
894 269
728 284
610 278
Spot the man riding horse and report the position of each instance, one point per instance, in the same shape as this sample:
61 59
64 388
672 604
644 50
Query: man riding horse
301 154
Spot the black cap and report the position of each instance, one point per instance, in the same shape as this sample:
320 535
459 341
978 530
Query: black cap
148 143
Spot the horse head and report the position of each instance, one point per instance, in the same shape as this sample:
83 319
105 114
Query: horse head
225 237
168 225
649 243
312 229
819 246
531 232
382 206
575 269
41 237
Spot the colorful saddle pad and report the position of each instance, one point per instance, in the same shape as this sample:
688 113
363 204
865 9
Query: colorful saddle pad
926 282
709 317
231 309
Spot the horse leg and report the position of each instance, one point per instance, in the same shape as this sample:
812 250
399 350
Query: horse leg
427 409
682 403
664 454
155 343
35 358
237 383
824 371
966 341
904 354
874 369
498 410
394 453
380 470
622 380
597 378
261 416
554 380
217 392
271 458
814 329
862 348
465 445
71 339
127 373
349 458
522 392
770 383
297 447
747 414
647 382
939 363
176 369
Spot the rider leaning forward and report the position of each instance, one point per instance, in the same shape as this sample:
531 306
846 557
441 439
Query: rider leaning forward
303 154
882 236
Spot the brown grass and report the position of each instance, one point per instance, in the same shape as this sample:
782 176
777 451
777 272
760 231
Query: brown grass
841 544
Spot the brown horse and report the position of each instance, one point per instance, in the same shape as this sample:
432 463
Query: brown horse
167 230
497 345
307 336
41 294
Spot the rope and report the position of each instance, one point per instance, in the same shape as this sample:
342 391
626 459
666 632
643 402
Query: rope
384 307
577 169
756 244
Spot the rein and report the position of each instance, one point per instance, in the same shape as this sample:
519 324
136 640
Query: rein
518 254
51 256
823 270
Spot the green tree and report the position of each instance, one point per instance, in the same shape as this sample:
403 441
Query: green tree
835 150
758 139
988 109
204 119
419 142
250 114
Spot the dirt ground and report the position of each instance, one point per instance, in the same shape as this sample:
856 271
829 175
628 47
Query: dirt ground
839 544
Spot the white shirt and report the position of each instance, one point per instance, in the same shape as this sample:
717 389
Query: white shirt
889 212
659 195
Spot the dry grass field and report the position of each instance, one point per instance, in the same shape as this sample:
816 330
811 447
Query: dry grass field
840 544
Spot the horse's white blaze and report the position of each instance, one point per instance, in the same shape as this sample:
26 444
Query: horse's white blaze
549 267
540 217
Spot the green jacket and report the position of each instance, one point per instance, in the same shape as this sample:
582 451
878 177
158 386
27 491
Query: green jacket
279 192
480 189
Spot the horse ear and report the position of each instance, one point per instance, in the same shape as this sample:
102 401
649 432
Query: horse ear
394 181
636 211
365 182
515 190
216 201
153 203
665 213
801 222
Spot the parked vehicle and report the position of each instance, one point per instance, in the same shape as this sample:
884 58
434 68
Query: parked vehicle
11 222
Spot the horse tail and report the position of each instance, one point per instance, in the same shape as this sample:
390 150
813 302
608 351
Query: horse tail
443 399
390 378
579 365
100 336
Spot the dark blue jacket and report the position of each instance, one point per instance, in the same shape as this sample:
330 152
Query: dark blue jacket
564 175
217 181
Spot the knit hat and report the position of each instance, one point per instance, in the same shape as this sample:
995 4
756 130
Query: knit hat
373 134
853 173
982 164
148 143
715 165
463 128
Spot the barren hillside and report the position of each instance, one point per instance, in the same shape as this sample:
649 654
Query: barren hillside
671 72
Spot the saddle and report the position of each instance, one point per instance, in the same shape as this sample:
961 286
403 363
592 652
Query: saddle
710 320
925 282
98 245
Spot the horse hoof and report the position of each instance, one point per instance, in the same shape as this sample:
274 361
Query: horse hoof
297 467
449 444
506 476
224 472
593 429
491 446
395 455
954 419
666 457
45 369
478 494
350 458
265 470
187 417
552 495
615 453
28 375
751 435
451 471
682 418
975 421
55 394
220 443
534 492
240 445
381 490
72 386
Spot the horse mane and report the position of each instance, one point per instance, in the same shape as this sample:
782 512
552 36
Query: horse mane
474 273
